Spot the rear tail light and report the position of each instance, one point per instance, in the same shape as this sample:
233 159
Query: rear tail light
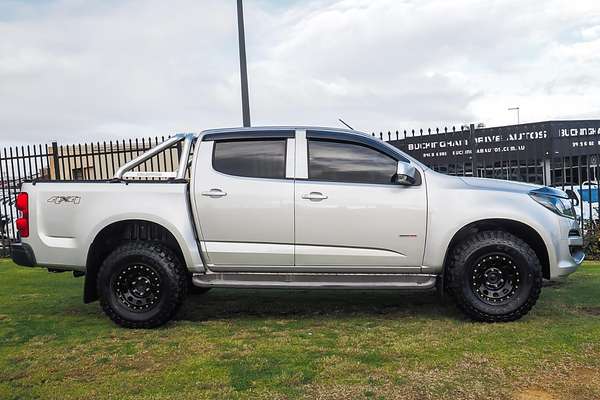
22 205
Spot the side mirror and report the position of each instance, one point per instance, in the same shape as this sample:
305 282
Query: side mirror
406 174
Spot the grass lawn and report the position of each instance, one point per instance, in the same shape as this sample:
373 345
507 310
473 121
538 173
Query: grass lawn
246 344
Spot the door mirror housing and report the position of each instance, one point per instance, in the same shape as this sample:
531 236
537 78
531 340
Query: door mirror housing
406 174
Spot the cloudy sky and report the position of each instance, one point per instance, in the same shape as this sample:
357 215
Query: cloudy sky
74 70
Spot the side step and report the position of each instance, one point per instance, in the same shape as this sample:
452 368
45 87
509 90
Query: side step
259 280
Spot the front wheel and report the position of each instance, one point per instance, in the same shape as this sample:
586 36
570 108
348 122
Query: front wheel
494 277
141 285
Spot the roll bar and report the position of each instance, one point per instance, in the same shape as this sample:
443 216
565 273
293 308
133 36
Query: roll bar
188 140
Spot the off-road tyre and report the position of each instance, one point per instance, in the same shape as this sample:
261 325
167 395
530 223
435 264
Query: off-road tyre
163 287
505 258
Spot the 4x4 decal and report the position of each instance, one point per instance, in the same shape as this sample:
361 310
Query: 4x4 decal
64 199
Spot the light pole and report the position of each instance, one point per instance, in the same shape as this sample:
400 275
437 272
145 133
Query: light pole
517 109
243 69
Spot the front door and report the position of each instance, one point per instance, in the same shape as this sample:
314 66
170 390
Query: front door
244 203
351 217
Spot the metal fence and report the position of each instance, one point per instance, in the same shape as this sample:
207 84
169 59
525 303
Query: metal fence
88 161
562 154
467 152
555 153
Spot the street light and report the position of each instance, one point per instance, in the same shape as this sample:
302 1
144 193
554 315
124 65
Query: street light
243 69
517 109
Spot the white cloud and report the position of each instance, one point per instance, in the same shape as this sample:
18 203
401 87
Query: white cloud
74 70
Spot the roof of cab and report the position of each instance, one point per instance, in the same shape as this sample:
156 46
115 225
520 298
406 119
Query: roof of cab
281 131
280 128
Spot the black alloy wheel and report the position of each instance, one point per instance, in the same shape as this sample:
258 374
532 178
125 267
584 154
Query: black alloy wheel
495 278
137 287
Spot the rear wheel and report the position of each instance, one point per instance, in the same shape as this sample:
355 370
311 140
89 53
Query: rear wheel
141 285
494 277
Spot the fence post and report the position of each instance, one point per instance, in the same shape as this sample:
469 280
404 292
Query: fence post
473 150
55 160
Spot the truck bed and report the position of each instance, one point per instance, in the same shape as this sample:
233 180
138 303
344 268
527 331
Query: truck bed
67 216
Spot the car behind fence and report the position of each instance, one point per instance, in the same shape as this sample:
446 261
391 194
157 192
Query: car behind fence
563 154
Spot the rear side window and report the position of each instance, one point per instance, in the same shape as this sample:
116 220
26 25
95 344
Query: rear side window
251 158
348 162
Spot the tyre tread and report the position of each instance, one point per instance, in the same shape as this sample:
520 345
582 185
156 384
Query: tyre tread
456 267
173 268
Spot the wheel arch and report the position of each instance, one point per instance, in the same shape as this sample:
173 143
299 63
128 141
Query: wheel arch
523 231
116 233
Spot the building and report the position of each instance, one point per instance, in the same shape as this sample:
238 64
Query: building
550 152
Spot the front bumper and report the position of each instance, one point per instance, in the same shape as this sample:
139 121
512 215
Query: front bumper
22 254
570 252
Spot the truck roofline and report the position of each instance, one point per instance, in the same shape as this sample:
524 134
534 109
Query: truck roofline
281 127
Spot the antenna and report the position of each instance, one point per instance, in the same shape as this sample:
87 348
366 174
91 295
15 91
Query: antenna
342 121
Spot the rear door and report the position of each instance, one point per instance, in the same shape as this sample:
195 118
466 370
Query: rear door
244 200
349 214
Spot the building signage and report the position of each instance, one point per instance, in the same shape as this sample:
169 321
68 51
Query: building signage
534 140
576 137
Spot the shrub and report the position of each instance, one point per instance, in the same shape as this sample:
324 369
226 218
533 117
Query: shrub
591 241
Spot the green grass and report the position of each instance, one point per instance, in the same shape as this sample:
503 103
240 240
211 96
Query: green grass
271 344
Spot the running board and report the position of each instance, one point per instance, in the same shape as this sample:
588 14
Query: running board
259 280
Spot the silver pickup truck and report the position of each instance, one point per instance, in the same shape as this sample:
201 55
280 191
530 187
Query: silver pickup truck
297 207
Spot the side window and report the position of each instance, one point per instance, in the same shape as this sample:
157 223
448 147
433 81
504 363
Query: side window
251 158
348 162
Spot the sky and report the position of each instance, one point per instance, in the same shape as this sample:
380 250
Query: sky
78 70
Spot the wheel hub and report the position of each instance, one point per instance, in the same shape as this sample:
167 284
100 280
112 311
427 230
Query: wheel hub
137 287
495 278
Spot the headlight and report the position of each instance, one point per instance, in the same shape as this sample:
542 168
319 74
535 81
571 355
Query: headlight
559 205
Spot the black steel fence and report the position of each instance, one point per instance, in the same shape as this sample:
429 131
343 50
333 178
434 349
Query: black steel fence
89 161
562 154
555 153
484 153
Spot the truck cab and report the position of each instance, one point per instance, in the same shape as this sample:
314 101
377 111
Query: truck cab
306 200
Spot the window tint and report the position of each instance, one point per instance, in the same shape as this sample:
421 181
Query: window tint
252 158
348 162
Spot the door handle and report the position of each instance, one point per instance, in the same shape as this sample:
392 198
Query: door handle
214 193
317 196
